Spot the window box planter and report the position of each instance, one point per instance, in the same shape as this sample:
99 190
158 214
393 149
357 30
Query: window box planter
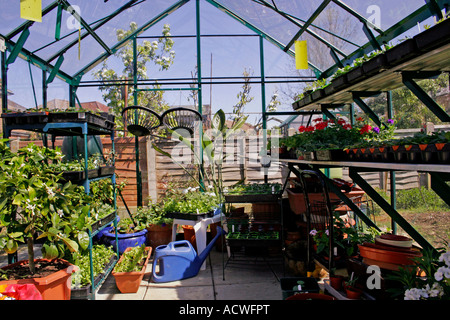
340 82
318 94
402 52
299 104
331 155
330 89
129 282
434 37
356 74
375 65
83 292
52 287
106 171
101 223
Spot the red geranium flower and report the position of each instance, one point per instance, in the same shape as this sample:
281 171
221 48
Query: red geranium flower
365 129
341 121
321 125
302 129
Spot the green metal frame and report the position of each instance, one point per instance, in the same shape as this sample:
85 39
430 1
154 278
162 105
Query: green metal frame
430 8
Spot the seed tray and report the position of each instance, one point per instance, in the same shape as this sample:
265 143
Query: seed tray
25 118
106 171
97 225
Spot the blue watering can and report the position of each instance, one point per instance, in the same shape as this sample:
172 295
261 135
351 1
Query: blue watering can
178 260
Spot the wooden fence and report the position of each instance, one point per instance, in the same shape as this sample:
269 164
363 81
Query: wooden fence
158 170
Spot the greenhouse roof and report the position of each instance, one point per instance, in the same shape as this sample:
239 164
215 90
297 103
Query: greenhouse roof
337 31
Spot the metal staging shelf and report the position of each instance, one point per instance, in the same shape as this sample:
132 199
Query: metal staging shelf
389 77
439 175
375 166
74 124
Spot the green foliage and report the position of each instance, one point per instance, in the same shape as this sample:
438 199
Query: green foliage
255 188
101 256
191 201
35 204
152 214
159 52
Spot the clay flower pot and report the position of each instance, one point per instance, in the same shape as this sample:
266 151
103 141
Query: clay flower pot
129 282
158 235
189 235
336 282
56 286
387 257
353 293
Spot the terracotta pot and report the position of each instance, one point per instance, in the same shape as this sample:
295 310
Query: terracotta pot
386 257
56 286
353 293
297 199
129 282
336 282
158 235
292 237
189 235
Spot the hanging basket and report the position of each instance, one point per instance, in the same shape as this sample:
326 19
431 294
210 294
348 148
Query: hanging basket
140 121
181 118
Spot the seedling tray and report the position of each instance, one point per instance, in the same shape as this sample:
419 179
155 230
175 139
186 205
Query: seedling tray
245 198
106 171
25 118
190 216
103 222
83 293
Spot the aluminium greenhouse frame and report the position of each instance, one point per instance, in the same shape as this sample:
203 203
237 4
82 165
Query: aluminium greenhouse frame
51 68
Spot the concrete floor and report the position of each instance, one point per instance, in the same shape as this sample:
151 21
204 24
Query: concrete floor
244 278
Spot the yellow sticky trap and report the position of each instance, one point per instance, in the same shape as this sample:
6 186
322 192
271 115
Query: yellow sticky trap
31 10
301 55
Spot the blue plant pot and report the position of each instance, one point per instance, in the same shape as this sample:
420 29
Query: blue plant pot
125 240
98 237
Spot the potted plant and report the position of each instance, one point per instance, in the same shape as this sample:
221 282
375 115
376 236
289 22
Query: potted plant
35 205
102 259
191 204
159 227
351 288
434 36
128 235
430 280
130 268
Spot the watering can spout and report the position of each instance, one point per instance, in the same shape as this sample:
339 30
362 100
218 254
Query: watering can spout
202 256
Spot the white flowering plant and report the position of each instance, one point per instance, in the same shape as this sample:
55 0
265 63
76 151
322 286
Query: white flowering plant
34 204
436 284
429 279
